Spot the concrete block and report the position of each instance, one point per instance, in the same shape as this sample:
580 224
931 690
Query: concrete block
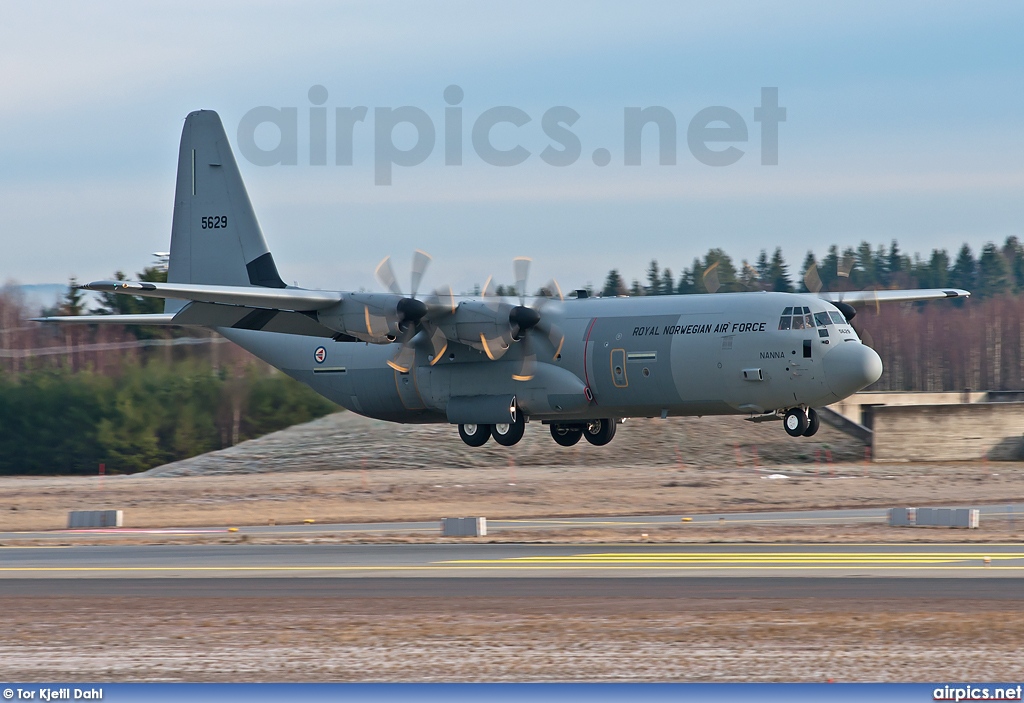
967 518
464 527
78 519
949 432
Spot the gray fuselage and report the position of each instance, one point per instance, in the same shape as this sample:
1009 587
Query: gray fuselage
732 353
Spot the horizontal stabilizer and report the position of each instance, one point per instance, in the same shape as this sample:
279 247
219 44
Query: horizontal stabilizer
152 319
894 296
250 296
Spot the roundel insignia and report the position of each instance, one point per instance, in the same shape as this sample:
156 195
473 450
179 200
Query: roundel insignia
320 355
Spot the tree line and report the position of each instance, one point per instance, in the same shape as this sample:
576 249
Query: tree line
995 270
131 398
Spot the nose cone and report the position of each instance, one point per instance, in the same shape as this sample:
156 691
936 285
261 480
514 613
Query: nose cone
851 366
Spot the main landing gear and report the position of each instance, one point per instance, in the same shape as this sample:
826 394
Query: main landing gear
475 435
597 432
505 433
800 422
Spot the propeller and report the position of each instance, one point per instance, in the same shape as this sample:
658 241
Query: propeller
525 320
710 277
812 280
414 315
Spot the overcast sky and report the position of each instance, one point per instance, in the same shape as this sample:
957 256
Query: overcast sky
904 120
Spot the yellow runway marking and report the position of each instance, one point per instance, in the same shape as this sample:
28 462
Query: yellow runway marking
483 567
767 559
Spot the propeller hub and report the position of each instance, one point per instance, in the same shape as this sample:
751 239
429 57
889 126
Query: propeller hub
411 309
523 317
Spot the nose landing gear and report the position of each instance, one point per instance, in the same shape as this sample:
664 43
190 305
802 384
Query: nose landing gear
801 423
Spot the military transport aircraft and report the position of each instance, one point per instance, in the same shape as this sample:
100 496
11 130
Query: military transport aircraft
490 364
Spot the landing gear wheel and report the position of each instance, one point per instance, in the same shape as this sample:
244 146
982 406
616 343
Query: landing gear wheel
566 436
508 433
812 423
795 422
475 435
599 432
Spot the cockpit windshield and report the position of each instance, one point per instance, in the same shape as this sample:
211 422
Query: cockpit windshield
799 318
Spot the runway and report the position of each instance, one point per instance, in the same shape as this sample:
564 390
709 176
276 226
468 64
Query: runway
1009 511
513 561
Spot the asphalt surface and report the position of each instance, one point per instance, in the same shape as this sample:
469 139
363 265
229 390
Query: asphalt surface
802 517
512 561
806 590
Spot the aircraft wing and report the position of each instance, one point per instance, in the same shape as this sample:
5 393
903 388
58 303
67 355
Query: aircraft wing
148 319
214 315
250 296
894 296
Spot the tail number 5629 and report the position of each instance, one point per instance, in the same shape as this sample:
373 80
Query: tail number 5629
215 222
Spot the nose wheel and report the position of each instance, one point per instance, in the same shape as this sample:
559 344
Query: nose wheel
801 423
796 422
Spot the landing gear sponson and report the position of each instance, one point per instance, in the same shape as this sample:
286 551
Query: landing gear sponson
597 432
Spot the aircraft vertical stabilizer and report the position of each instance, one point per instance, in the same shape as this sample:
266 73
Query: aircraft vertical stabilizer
215 237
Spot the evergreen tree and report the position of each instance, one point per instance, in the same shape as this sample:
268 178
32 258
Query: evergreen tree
749 279
763 268
828 269
613 285
1013 252
778 273
938 270
964 272
668 285
688 280
653 278
866 267
72 303
993 273
725 273
809 261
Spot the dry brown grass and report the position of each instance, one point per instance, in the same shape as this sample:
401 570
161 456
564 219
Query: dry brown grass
481 639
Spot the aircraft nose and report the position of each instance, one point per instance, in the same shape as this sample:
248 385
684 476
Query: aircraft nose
850 367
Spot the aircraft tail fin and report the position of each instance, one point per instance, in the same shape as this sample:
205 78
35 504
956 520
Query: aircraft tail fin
215 237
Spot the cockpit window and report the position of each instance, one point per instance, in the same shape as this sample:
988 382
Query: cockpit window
837 318
822 319
799 318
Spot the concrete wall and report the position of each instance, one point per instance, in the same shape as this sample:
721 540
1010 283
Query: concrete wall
853 407
948 432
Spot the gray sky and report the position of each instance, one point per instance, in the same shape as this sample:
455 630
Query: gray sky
903 120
